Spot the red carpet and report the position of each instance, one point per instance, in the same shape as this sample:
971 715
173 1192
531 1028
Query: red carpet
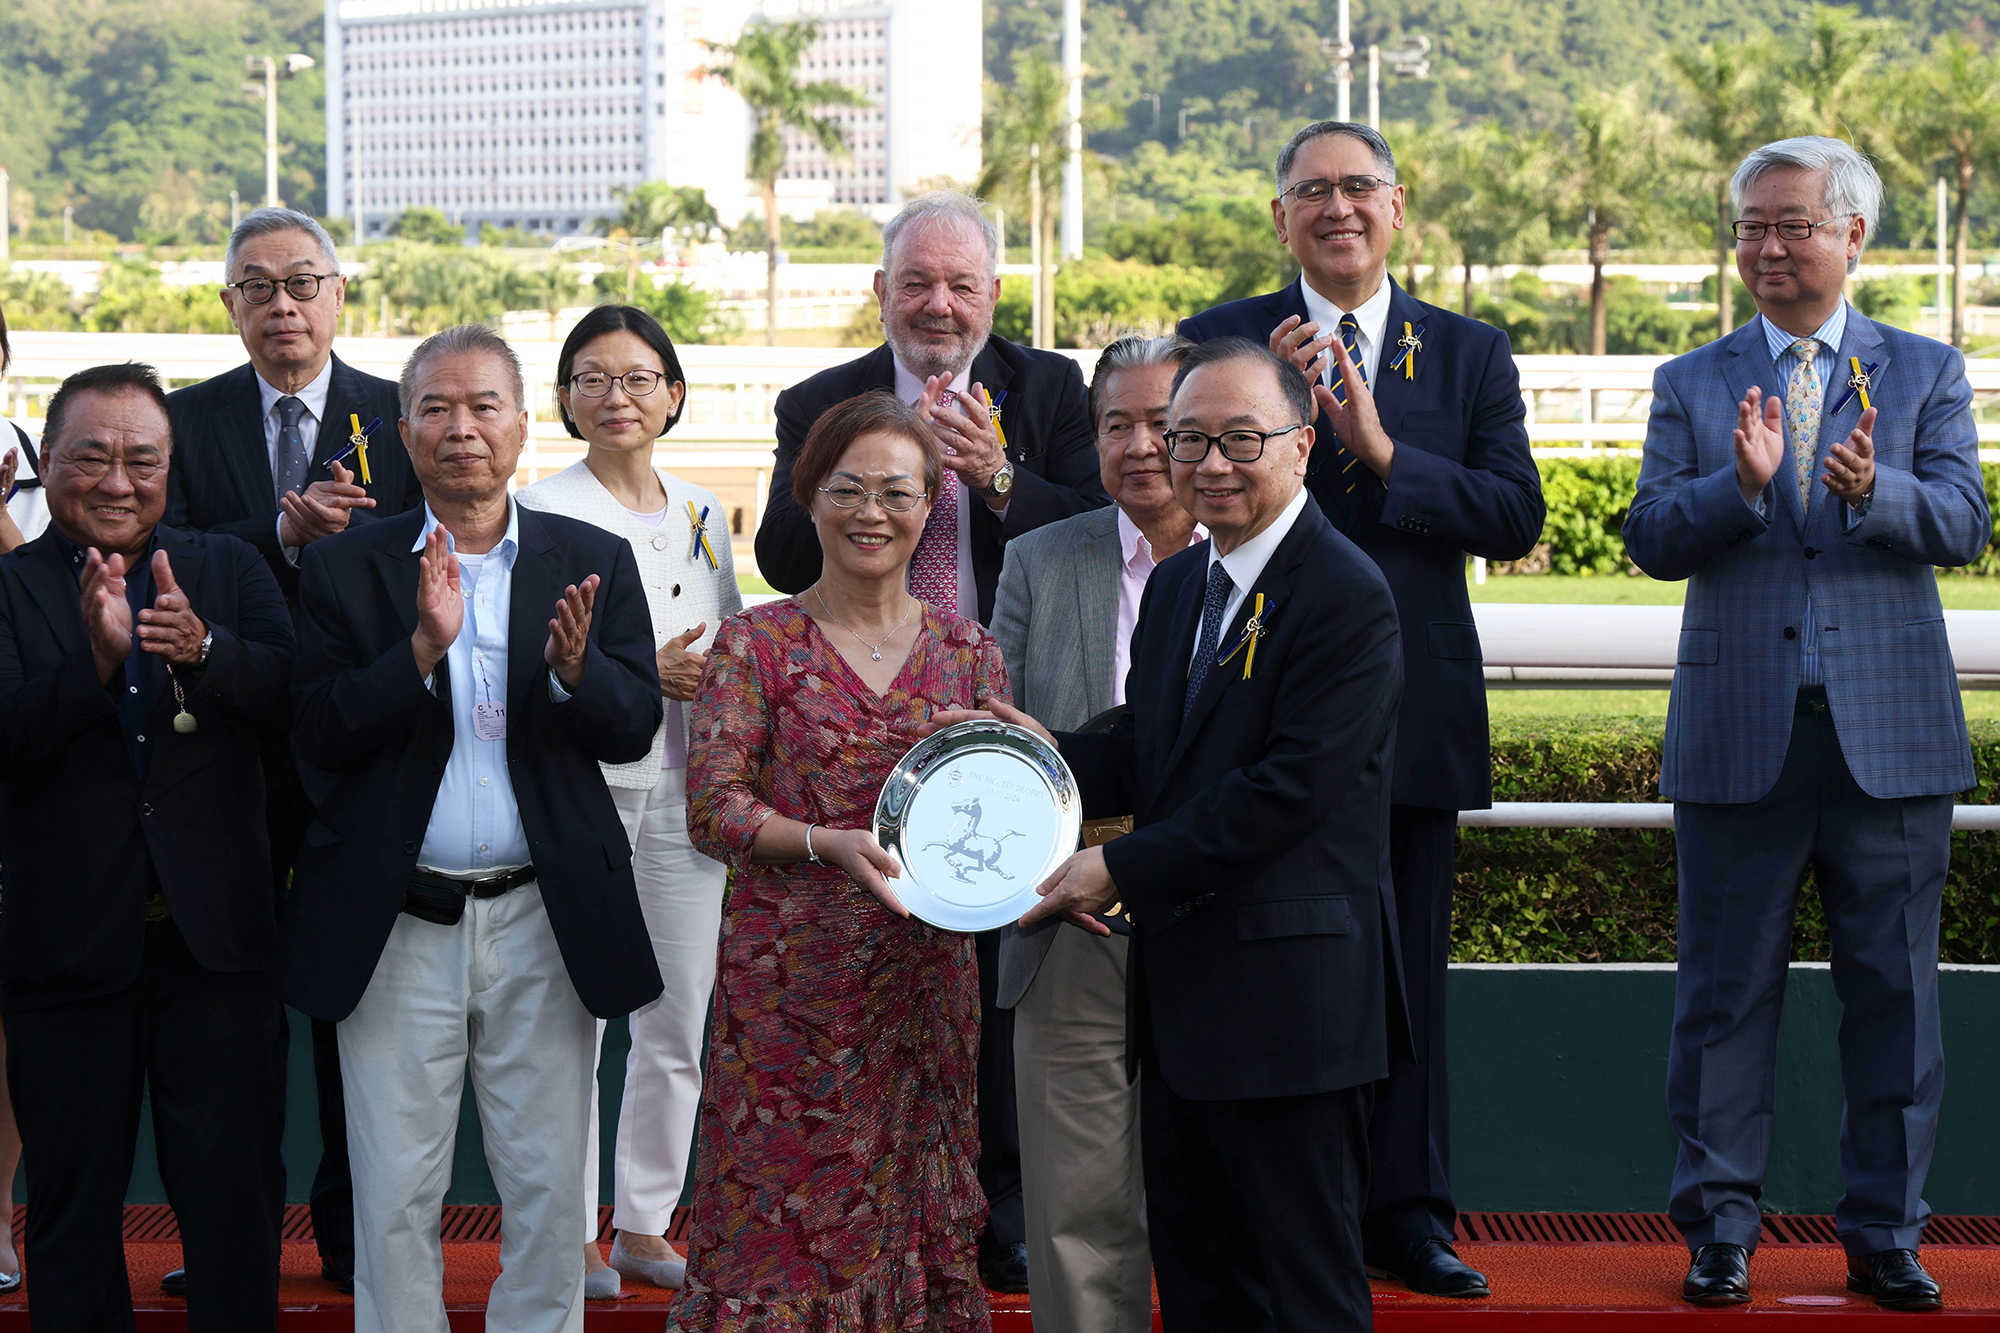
1549 1272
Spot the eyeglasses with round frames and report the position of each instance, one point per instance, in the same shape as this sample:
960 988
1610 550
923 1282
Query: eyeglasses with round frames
1319 191
1788 229
895 499
595 384
299 286
1238 446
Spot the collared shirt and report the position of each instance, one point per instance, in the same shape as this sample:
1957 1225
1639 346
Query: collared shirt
1372 315
135 686
1136 561
1245 565
475 822
909 388
313 396
1780 342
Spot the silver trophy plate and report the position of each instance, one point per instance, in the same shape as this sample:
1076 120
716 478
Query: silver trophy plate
977 815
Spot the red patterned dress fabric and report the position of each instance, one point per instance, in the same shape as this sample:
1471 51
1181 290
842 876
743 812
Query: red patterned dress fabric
836 1185
934 564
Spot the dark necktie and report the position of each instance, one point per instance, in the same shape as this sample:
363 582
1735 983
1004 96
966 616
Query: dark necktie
288 469
1350 338
1219 588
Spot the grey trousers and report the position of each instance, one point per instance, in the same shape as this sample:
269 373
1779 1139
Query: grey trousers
1083 1185
1880 869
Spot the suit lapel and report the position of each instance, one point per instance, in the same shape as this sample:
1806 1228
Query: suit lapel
1099 573
991 372
1863 342
396 564
1394 390
1750 364
239 431
185 557
537 584
50 580
341 403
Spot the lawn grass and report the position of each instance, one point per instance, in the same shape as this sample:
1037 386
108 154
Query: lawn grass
1959 592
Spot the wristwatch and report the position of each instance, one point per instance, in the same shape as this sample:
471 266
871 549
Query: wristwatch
1001 483
207 646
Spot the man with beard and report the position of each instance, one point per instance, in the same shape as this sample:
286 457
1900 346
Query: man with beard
1014 424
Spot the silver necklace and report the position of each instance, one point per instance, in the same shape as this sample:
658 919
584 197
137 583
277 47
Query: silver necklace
874 649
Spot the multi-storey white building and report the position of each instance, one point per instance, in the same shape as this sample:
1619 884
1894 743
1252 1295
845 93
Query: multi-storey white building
534 113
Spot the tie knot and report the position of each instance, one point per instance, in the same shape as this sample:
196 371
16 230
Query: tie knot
290 410
1220 585
1805 349
1349 324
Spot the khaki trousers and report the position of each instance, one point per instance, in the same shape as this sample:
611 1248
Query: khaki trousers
1082 1181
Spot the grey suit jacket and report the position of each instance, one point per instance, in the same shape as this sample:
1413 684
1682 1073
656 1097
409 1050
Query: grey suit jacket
1055 616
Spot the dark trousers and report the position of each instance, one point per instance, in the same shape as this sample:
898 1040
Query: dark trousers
1253 1209
1409 1134
999 1127
1880 868
202 1042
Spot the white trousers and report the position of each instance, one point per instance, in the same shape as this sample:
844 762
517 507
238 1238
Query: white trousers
491 990
680 895
1083 1185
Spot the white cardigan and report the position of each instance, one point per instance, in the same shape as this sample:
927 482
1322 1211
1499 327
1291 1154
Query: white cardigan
681 590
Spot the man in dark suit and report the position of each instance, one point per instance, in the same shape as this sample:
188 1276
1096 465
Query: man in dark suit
466 891
1028 459
1254 758
264 453
138 905
1423 457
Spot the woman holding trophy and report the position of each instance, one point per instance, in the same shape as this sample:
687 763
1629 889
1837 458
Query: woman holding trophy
837 1183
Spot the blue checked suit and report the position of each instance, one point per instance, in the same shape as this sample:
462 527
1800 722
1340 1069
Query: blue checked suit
1889 677
1854 785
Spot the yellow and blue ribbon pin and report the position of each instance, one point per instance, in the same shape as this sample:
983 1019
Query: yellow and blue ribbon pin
1859 382
698 524
357 445
1411 343
1253 630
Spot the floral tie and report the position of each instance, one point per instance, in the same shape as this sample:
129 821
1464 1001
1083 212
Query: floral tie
1802 407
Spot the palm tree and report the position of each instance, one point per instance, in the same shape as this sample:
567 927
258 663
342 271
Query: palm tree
1728 111
1026 140
1417 171
762 67
1826 82
1620 163
1949 115
1488 190
652 209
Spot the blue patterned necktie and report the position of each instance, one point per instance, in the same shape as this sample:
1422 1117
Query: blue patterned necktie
288 469
1219 588
1350 338
1803 397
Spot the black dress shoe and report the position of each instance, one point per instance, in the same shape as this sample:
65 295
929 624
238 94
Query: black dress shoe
342 1279
1005 1268
1719 1275
1432 1268
175 1283
1895 1279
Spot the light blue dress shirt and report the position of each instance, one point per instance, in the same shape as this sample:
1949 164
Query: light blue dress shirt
1828 336
475 822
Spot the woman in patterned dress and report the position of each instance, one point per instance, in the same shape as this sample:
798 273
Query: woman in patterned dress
836 1183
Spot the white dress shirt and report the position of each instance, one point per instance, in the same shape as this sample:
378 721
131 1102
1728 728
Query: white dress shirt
1245 564
475 822
313 396
1136 562
909 388
1372 315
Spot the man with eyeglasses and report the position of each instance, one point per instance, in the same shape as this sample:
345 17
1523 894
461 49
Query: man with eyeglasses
264 453
1804 474
1422 458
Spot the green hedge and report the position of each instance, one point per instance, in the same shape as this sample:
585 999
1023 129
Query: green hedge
1608 895
1587 500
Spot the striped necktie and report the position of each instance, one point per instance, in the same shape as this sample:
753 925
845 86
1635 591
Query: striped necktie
1350 338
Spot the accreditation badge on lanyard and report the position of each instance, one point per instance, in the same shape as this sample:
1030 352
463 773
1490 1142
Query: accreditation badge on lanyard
489 719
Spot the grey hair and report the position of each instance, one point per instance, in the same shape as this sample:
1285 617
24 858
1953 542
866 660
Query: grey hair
458 341
1853 188
943 206
1133 353
268 222
1385 160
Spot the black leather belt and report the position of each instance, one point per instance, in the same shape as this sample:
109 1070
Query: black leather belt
441 899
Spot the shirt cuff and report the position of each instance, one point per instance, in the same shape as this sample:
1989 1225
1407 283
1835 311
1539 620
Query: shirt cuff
557 694
291 552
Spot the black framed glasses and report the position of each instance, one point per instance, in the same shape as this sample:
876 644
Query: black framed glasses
595 384
1238 446
299 286
1318 191
1788 229
897 499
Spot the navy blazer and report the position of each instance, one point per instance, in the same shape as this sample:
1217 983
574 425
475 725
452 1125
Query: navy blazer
1053 446
221 477
1883 654
1264 954
80 831
1463 481
362 712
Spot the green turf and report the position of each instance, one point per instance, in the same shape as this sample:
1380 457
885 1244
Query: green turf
1647 703
1959 592
751 583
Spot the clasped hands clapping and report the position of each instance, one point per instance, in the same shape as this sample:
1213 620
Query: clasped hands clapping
169 628
441 614
1760 451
